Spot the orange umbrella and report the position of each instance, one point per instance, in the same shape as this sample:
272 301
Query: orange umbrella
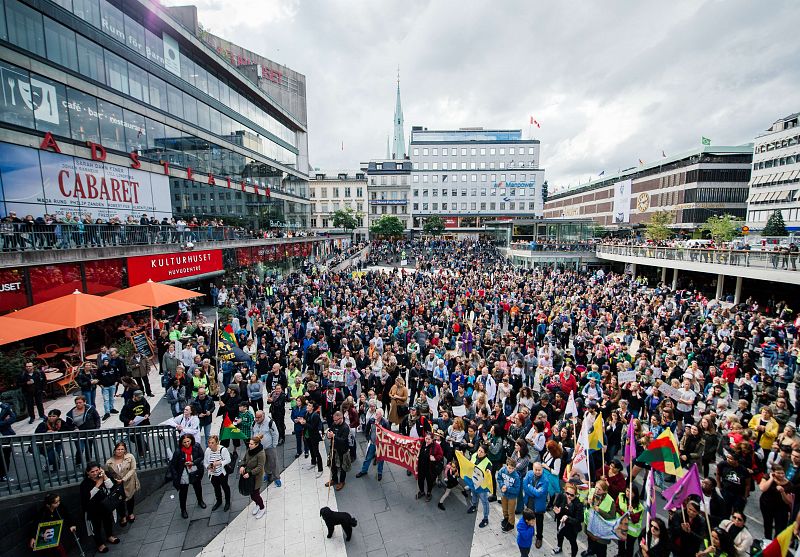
12 330
153 294
75 310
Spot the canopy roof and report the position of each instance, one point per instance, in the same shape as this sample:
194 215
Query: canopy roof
75 310
12 330
152 294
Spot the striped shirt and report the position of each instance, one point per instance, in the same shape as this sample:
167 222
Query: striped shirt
220 455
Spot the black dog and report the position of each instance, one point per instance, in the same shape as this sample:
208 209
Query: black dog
343 519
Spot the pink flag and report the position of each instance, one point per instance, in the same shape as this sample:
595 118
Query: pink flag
688 485
630 443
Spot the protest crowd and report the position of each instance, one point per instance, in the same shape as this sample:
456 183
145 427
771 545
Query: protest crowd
638 418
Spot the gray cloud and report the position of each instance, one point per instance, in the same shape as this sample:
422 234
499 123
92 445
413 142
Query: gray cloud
610 82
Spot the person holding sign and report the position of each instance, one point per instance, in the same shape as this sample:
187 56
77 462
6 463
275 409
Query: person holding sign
45 537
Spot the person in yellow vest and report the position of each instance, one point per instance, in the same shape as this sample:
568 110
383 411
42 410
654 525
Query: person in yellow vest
199 379
296 390
636 516
480 461
599 500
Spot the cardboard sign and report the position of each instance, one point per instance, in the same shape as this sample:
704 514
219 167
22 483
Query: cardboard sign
670 391
336 374
626 376
397 449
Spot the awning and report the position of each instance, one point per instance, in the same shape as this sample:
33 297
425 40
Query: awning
794 175
757 180
12 330
153 294
782 195
76 310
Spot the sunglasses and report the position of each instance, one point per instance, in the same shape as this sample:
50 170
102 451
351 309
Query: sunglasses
570 494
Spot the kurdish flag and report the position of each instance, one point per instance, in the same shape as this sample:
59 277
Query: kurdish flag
230 431
662 454
596 439
477 479
227 335
779 547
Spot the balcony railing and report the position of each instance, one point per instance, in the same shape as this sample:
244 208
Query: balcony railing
738 258
57 236
45 461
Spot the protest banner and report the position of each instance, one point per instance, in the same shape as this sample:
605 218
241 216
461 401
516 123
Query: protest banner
397 449
626 376
336 374
48 535
670 391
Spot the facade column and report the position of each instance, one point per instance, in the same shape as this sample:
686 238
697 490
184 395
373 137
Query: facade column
737 296
675 278
720 285
633 271
664 275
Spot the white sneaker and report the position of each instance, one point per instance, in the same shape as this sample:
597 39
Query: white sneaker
255 508
261 512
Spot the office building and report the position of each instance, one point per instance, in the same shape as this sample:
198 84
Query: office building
333 191
693 185
775 181
471 175
388 183
114 108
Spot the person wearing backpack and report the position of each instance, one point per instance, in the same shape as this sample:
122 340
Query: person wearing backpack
266 428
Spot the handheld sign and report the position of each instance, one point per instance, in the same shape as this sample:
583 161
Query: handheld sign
48 535
336 374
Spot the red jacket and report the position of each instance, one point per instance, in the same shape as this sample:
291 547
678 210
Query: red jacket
729 371
568 384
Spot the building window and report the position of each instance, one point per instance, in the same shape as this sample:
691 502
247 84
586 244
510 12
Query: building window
415 179
347 192
492 151
463 166
473 151
463 151
416 151
323 193
434 193
464 206
502 151
474 178
416 206
424 178
530 150
435 178
359 192
335 193
425 152
473 206
492 206
435 166
435 152
502 206
483 206
444 206
25 27
424 193
483 151
511 206
463 193
435 206
424 206
416 193
510 150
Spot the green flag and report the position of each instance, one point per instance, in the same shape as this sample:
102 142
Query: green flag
706 141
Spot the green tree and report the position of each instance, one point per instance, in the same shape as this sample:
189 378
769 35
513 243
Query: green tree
387 225
346 219
657 228
433 225
722 228
775 225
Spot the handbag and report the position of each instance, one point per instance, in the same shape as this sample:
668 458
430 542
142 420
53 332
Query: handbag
115 497
246 485
402 410
231 466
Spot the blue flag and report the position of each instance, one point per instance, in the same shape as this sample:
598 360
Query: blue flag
553 483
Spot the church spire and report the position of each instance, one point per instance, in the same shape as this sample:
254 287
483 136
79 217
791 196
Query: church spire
399 146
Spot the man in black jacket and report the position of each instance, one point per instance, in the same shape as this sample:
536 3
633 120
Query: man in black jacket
204 407
108 378
83 418
136 408
32 383
339 435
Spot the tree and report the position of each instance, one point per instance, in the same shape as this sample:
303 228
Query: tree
775 225
657 229
387 225
599 231
722 228
433 225
346 219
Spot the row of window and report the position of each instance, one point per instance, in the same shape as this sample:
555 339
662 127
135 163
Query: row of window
324 222
473 151
773 163
335 206
83 117
778 144
393 180
715 195
492 165
389 195
323 192
523 192
41 35
792 215
384 209
125 29
492 206
434 178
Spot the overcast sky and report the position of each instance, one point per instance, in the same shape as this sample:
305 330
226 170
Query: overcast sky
610 82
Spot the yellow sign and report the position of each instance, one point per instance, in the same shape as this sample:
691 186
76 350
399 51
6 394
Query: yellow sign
745 230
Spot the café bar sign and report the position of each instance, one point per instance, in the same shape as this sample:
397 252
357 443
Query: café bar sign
98 153
171 266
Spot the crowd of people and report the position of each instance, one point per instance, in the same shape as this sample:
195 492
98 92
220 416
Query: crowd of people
498 352
75 230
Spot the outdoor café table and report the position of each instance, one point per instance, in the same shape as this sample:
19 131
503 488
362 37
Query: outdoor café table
92 357
52 375
63 350
48 355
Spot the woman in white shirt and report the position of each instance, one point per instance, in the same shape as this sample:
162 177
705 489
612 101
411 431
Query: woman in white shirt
215 460
188 423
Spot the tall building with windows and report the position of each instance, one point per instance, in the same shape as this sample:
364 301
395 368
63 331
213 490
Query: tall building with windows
388 183
775 181
472 175
333 191
119 108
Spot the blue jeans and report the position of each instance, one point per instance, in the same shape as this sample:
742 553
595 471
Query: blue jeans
484 498
368 460
206 429
91 396
108 398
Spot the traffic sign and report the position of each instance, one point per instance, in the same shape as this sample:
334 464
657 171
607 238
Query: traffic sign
745 230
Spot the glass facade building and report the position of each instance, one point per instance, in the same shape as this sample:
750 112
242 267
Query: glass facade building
129 77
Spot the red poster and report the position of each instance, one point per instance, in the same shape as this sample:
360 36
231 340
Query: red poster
13 294
171 266
451 222
397 449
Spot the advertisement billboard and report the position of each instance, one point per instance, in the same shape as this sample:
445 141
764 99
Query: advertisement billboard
622 202
42 182
171 266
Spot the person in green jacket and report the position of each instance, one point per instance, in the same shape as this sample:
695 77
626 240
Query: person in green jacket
599 500
636 516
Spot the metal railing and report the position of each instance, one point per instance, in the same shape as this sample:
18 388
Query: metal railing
44 461
31 237
544 247
737 258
